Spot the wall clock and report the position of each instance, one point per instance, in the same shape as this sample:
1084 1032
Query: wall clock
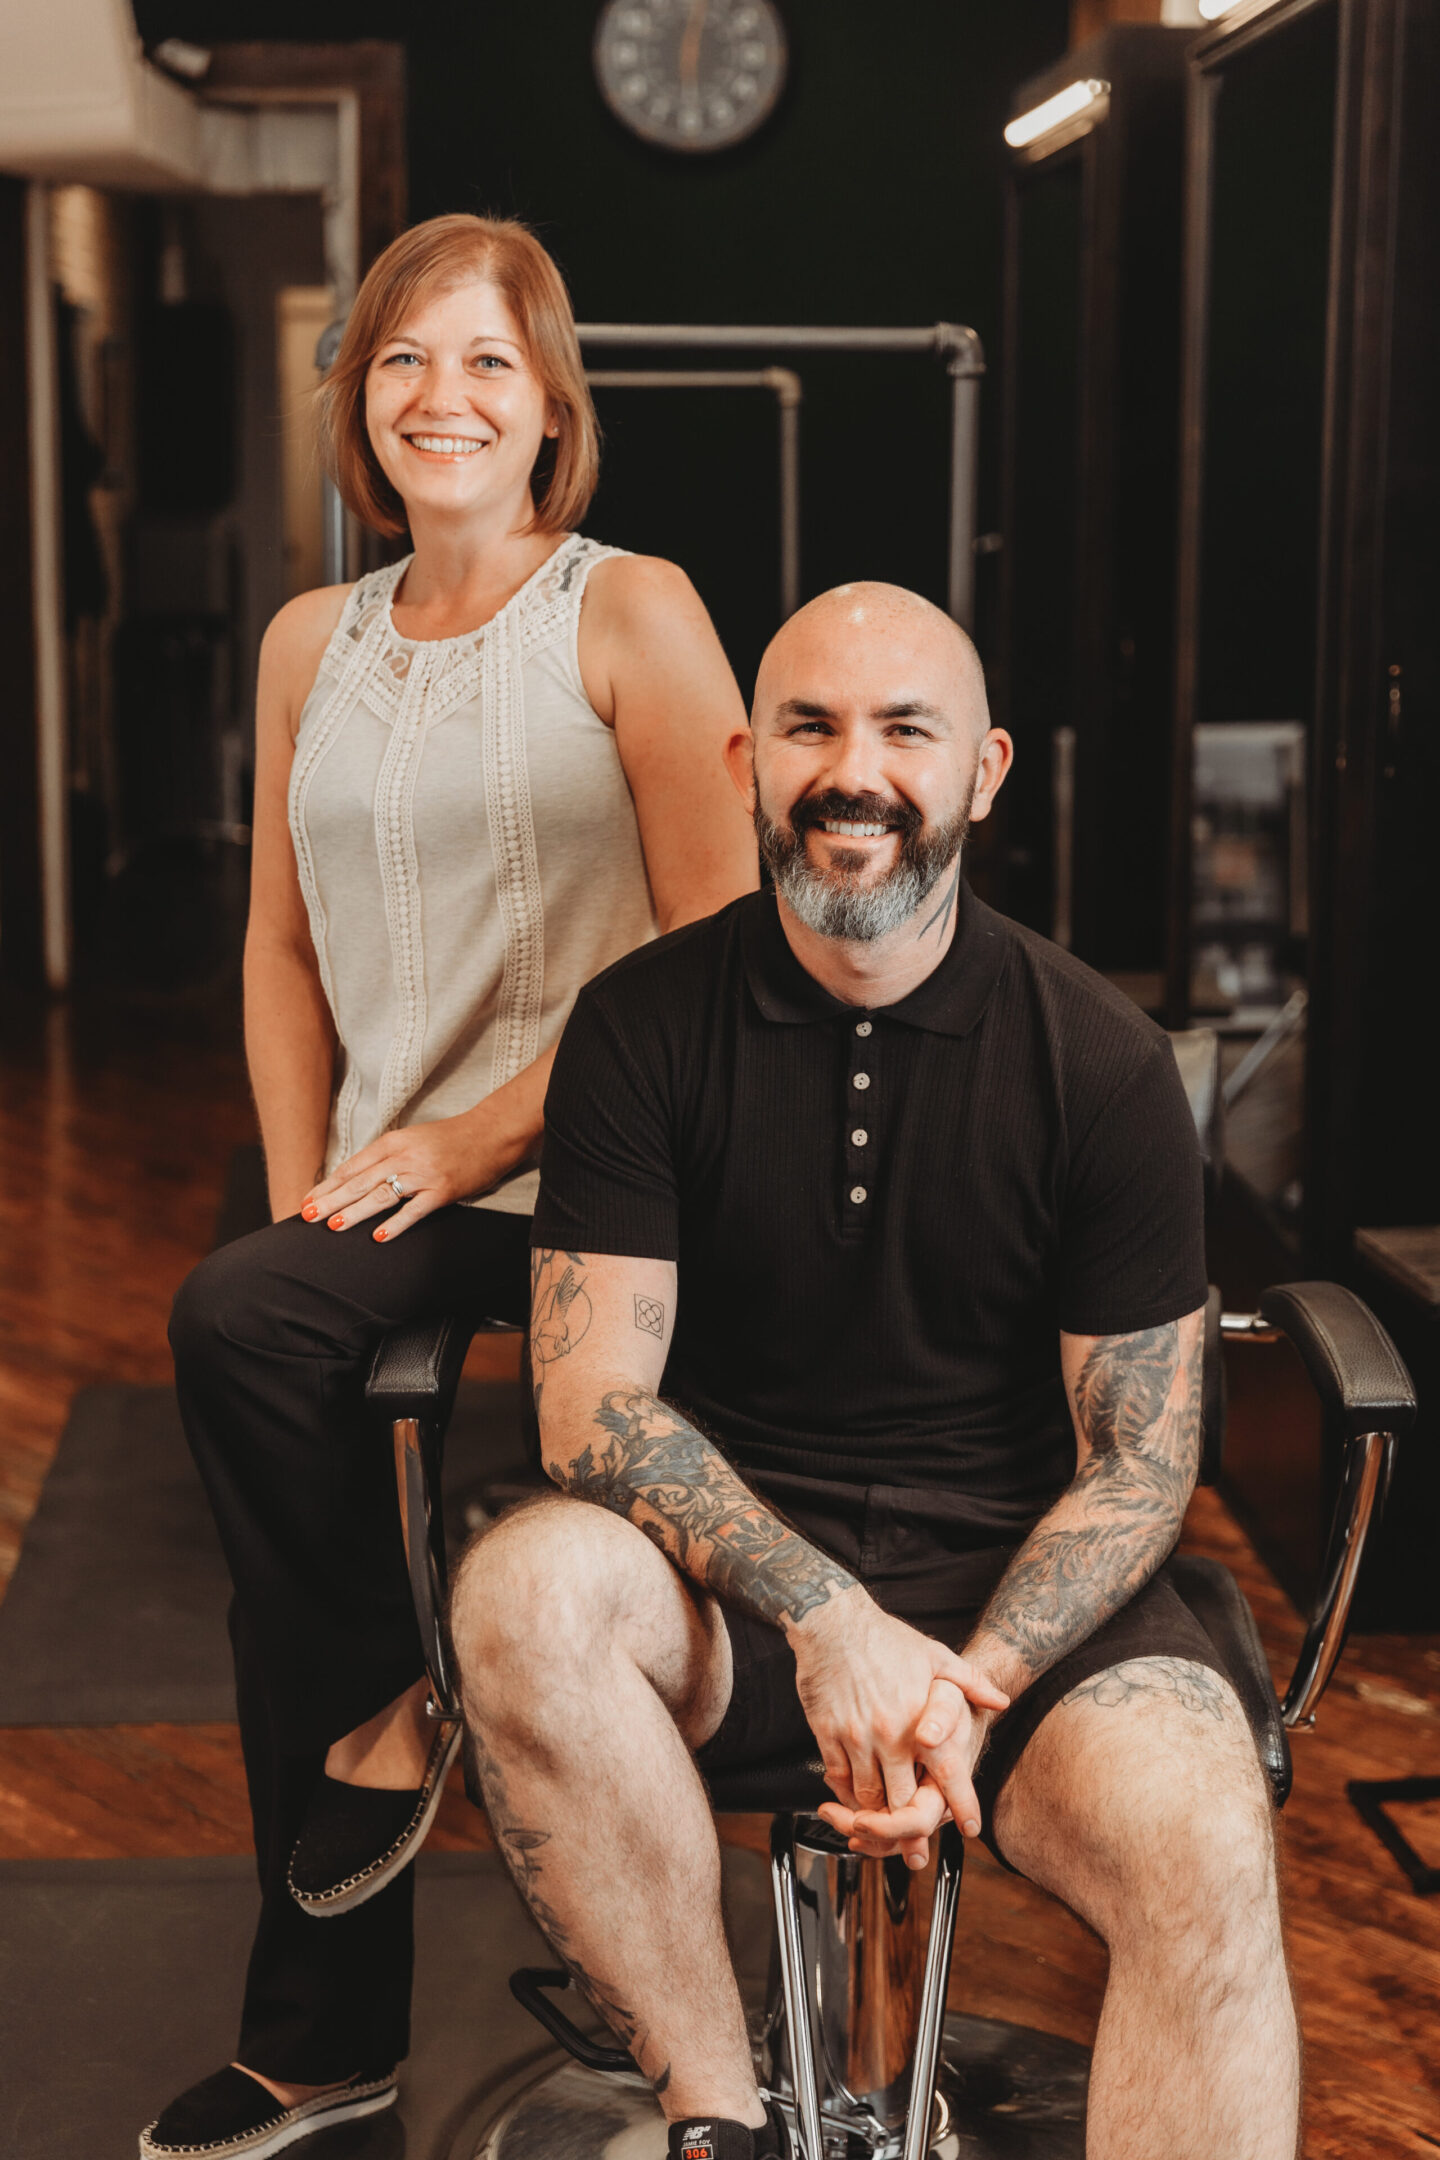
690 74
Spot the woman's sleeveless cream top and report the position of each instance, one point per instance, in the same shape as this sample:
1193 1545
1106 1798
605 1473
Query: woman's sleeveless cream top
468 850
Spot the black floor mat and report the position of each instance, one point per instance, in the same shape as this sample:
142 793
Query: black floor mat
116 1612
120 1985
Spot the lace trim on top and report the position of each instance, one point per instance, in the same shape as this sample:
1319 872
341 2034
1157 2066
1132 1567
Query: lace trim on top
544 606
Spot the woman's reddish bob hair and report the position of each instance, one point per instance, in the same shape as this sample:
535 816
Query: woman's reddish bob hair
434 258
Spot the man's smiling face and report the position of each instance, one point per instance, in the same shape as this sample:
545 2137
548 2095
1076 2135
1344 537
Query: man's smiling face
869 742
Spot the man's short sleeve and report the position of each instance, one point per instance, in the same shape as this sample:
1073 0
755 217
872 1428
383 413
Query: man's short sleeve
1133 1230
607 1168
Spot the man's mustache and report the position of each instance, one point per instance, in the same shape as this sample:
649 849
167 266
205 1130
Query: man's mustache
832 805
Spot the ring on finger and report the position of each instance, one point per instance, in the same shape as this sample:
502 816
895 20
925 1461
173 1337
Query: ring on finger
397 1188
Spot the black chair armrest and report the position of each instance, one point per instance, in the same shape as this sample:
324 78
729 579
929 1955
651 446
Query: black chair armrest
416 1368
1354 1367
1368 1398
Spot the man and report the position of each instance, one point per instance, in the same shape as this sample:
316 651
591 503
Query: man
900 1207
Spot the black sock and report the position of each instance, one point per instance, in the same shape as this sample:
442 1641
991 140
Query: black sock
717 2137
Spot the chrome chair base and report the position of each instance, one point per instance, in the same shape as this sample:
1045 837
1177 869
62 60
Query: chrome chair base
1004 2092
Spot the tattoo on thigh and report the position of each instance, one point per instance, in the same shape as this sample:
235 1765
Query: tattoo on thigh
1193 1687
649 1315
520 1847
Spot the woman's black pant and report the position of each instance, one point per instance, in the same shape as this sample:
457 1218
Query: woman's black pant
272 1336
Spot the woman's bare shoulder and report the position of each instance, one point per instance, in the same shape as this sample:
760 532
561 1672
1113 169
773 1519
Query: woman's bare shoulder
291 651
639 592
298 635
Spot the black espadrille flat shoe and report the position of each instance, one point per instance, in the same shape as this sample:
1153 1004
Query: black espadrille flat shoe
356 1838
233 2113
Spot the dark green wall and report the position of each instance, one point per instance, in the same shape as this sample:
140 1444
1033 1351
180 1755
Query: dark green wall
872 196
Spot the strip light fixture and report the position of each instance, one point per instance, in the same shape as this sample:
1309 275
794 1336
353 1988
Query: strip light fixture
1055 111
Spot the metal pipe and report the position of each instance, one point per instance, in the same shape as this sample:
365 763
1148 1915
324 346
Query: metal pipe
333 550
47 589
1062 799
1366 1475
964 490
932 1993
789 395
797 1994
954 343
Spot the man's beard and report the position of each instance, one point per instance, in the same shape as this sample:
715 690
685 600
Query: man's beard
832 902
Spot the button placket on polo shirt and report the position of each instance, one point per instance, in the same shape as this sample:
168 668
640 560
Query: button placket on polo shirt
857 1199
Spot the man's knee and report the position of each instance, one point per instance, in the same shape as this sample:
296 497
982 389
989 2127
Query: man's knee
540 1589
1199 1856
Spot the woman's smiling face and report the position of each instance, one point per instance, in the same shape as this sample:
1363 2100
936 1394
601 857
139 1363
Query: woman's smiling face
453 408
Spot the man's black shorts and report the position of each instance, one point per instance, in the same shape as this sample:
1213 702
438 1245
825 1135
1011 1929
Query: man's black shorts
765 1720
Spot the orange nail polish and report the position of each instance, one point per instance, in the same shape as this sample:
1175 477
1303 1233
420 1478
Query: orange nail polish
309 1211
379 1237
337 1222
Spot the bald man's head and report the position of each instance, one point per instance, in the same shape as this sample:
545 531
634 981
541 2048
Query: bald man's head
869 629
870 751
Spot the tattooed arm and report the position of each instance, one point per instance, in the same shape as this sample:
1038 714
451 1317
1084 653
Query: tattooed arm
606 1436
1136 1401
600 1328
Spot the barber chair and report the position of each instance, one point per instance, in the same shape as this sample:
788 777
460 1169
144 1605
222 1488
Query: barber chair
854 2042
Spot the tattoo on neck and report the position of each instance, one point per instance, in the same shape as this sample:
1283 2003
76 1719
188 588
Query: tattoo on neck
944 908
656 1469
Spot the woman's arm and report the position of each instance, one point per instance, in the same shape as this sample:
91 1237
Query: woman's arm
289 1034
653 667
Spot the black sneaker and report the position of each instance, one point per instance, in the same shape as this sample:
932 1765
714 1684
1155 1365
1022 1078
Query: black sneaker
356 1838
232 2113
715 2137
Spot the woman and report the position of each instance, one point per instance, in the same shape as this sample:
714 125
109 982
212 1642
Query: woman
482 775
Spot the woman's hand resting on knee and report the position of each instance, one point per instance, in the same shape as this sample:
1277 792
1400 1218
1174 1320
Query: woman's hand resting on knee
432 1165
448 1159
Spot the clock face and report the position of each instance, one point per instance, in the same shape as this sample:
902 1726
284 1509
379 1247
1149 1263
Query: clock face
691 74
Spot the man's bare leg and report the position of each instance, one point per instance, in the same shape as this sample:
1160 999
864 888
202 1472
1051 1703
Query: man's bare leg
590 1669
1141 1803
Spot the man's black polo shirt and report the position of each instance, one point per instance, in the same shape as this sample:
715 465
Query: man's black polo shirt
882 1219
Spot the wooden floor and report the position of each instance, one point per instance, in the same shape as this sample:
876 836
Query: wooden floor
115 1127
